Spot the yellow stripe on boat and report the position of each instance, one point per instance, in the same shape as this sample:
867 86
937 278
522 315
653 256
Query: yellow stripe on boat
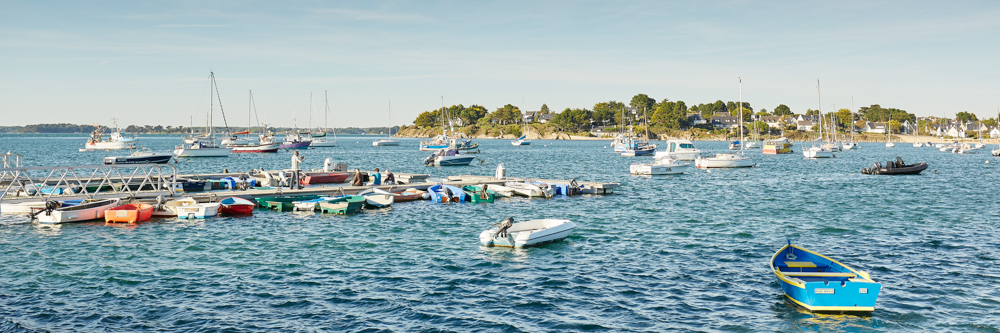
800 264
833 308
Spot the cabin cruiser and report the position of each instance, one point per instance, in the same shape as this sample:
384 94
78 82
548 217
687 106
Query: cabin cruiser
682 150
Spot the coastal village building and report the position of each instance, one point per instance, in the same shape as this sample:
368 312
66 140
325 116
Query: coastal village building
696 119
874 127
805 125
993 133
725 122
529 116
773 121
544 118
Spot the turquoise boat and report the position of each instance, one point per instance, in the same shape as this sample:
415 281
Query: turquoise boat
820 284
343 205
475 193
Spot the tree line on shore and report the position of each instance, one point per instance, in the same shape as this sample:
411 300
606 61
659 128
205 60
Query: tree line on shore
158 129
663 116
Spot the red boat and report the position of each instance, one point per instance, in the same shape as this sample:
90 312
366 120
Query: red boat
324 178
130 213
236 206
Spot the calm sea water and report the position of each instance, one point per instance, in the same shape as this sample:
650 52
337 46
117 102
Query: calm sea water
686 253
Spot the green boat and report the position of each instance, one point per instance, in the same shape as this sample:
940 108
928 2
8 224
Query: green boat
344 205
475 194
283 204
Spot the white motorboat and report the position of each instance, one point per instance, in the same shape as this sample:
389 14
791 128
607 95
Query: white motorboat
725 160
849 145
377 198
683 150
966 149
385 142
201 149
198 210
530 190
818 152
889 144
666 165
88 210
918 144
752 145
526 234
448 157
501 190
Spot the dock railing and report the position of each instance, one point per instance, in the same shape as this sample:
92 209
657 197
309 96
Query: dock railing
87 181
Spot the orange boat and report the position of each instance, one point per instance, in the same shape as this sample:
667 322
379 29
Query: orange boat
130 213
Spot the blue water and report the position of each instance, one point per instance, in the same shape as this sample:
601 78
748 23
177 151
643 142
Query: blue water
686 253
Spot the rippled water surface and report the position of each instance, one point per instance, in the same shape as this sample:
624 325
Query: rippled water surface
684 253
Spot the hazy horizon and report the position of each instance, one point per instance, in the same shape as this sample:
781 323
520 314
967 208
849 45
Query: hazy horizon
148 63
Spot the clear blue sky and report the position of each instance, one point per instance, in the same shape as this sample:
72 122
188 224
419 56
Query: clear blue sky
86 61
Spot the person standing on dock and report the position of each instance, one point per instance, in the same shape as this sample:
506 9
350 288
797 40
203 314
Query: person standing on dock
296 159
376 177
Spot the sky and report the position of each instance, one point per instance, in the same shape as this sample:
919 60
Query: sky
148 62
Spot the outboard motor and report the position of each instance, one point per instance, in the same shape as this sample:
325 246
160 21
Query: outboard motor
328 164
501 171
430 159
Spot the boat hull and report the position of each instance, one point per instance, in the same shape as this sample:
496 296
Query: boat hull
265 148
323 143
529 234
295 145
233 206
453 160
198 211
385 143
653 169
818 283
324 178
130 213
151 159
724 162
345 205
83 212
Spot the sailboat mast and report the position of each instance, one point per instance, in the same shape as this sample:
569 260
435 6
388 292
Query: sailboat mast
741 116
390 115
310 109
211 103
819 95
249 108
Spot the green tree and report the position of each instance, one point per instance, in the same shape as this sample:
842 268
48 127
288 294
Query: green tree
428 119
642 102
544 109
472 114
782 110
844 116
572 119
894 126
613 109
508 114
762 112
966 117
990 122
670 115
759 126
811 112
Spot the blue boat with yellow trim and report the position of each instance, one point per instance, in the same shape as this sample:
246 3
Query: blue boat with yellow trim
821 284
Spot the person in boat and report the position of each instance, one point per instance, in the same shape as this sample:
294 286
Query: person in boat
358 180
376 177
296 159
390 179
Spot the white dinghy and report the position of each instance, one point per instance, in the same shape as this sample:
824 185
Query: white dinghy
377 198
198 210
88 210
530 190
526 234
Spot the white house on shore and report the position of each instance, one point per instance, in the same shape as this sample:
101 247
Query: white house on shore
874 127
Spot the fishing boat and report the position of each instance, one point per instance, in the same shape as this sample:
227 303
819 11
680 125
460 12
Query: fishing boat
283 204
777 146
116 141
479 193
531 190
665 165
527 233
85 211
324 177
896 167
441 193
465 146
377 198
683 150
410 194
448 157
198 210
821 284
387 141
235 206
129 213
140 157
623 142
342 205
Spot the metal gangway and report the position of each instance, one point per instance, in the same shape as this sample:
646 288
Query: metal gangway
86 182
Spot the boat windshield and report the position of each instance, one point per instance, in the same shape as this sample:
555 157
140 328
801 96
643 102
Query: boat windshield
687 145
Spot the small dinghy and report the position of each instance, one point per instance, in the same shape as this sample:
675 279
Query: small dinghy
479 193
896 167
348 204
821 284
411 194
236 206
501 190
85 211
526 234
169 208
376 198
130 213
441 193
531 190
283 204
198 210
